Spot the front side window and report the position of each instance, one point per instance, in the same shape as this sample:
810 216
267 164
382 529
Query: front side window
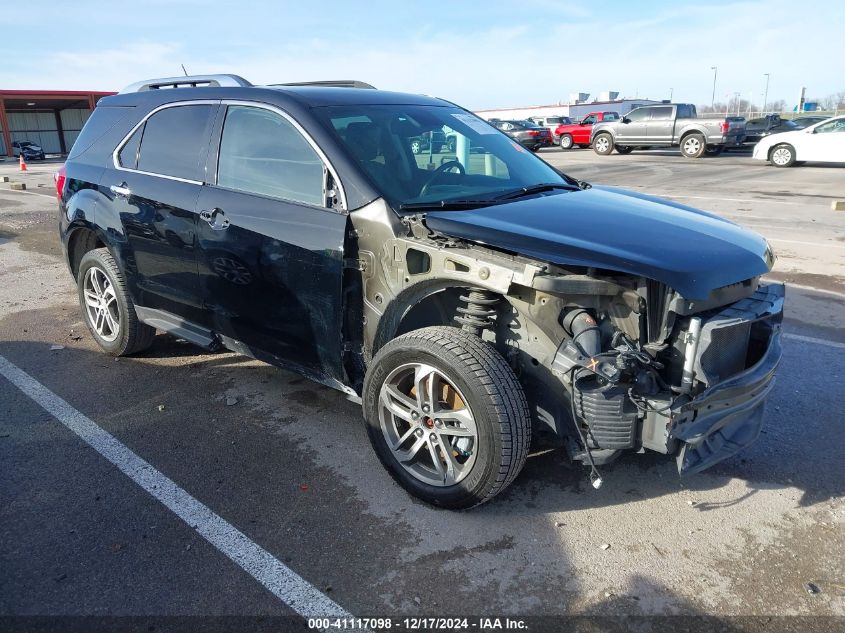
831 126
174 140
468 159
589 120
640 114
262 152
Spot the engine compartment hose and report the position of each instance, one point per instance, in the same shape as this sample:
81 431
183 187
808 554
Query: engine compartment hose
584 330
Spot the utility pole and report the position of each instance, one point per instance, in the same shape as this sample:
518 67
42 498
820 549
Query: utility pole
671 92
766 94
715 70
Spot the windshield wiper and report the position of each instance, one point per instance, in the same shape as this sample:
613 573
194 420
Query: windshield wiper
449 205
528 191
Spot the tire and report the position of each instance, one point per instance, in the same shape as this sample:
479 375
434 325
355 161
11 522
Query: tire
119 332
565 141
693 145
583 145
480 384
782 155
624 149
714 150
603 144
416 147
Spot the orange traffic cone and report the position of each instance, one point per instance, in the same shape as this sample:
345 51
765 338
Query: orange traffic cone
23 163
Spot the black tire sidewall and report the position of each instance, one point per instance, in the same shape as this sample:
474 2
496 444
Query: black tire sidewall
489 447
96 259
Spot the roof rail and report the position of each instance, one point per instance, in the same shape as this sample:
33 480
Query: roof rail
191 81
332 83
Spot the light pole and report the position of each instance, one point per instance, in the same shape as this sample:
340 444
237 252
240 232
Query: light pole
715 70
766 94
671 92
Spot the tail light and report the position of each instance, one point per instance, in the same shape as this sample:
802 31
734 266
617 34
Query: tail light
60 177
724 126
533 133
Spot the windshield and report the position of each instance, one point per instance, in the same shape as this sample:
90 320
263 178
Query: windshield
419 154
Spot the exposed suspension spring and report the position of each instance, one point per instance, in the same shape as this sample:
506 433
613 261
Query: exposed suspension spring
478 313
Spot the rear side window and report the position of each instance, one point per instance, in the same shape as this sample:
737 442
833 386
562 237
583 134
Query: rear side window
262 152
174 140
662 113
685 112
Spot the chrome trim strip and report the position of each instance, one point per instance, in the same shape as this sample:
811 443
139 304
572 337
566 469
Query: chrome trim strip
305 135
176 104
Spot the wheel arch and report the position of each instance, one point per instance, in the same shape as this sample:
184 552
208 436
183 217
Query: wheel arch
83 237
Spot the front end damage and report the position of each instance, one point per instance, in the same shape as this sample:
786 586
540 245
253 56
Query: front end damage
610 362
699 395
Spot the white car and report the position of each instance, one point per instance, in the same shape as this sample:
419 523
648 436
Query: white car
822 143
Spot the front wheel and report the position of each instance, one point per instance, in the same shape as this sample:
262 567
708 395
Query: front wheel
446 416
565 141
603 144
107 307
693 145
416 147
783 156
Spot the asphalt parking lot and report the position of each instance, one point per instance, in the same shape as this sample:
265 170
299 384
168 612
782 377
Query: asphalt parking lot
286 463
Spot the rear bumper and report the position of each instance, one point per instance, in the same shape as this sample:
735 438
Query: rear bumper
728 415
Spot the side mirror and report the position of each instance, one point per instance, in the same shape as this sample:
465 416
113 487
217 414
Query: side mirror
626 120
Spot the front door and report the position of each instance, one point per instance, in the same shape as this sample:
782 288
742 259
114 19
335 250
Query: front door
632 128
154 190
270 250
825 143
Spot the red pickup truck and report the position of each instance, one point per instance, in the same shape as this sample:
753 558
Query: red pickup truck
579 133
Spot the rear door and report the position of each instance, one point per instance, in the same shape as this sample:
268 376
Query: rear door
153 186
661 125
270 247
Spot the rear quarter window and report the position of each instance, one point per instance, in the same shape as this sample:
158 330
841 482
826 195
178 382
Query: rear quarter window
103 119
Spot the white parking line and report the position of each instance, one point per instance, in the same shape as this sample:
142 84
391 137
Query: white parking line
32 193
284 583
815 341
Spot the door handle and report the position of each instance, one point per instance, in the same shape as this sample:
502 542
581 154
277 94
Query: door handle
216 219
121 190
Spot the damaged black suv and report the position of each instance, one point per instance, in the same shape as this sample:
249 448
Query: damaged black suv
471 296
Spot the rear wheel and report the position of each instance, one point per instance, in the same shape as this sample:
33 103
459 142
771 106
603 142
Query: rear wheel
565 141
107 307
446 416
624 149
783 155
693 145
416 147
714 150
603 144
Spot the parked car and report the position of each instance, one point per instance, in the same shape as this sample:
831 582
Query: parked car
821 143
551 122
667 125
468 308
756 129
579 133
430 140
806 121
30 150
526 133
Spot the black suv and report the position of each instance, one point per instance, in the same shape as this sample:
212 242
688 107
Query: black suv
469 303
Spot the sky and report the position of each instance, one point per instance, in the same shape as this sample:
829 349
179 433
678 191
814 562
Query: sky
478 54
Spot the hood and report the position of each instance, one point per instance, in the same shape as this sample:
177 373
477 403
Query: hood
692 251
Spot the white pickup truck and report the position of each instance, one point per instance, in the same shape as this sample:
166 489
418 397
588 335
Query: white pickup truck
668 125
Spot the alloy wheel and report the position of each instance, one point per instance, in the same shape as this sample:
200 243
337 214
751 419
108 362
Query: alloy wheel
781 156
101 304
427 424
